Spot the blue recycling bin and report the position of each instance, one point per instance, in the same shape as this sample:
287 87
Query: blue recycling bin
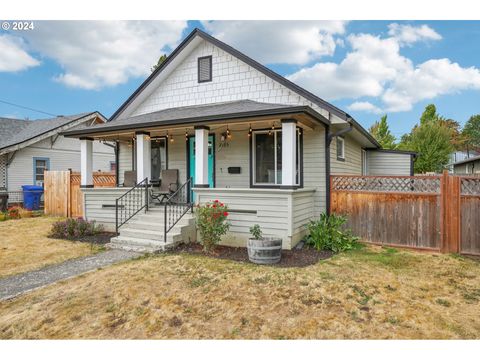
31 196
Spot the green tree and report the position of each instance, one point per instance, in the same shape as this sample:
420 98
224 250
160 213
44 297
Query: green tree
382 134
160 61
429 114
471 133
432 142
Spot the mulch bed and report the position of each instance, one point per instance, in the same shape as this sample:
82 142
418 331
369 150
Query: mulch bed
98 239
290 258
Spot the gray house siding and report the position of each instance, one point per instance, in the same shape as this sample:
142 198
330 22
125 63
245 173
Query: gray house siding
387 163
468 168
3 171
64 154
352 164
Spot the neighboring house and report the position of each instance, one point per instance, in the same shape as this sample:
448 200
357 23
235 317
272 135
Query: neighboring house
29 147
468 166
245 135
459 156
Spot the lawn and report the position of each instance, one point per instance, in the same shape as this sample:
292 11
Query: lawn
24 246
372 293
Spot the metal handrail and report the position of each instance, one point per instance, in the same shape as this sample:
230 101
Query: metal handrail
173 212
131 203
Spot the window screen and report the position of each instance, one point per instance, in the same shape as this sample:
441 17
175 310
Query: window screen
204 69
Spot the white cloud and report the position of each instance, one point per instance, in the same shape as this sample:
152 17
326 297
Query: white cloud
375 68
13 56
275 42
96 54
408 34
364 106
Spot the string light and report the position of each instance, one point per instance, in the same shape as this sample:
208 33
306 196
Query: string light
270 132
186 135
167 135
250 130
171 139
229 136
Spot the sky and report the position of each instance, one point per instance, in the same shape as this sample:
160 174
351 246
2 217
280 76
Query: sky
366 68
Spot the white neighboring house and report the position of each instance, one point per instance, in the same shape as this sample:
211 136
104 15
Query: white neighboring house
28 147
234 131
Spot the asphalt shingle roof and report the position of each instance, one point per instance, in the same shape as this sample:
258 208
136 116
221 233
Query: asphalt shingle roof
187 114
14 131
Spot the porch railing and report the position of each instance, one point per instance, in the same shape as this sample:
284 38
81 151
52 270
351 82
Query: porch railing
177 205
131 203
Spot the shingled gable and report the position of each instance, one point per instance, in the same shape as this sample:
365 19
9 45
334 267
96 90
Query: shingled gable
193 39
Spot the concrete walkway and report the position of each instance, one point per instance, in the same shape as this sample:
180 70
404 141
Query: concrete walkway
18 284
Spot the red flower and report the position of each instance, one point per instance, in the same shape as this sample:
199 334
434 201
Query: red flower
225 213
214 206
221 204
216 201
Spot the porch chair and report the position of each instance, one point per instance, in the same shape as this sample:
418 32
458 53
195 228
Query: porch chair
167 185
129 178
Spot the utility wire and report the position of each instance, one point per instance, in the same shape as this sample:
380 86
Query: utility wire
27 108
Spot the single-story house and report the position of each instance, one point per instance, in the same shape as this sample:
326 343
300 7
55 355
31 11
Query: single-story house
467 166
242 133
29 147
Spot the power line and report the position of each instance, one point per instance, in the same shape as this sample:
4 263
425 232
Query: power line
27 108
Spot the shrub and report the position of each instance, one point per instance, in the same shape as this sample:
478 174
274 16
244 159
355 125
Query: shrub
256 232
14 212
328 233
74 229
212 223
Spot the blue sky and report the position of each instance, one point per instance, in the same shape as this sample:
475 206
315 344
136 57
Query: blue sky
376 67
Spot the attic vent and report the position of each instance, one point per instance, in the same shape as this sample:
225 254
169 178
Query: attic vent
204 69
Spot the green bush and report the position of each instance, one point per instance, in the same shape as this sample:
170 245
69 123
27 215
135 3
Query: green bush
256 232
328 233
74 229
212 223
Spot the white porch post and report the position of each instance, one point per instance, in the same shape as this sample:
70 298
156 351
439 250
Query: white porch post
86 162
142 141
201 156
289 153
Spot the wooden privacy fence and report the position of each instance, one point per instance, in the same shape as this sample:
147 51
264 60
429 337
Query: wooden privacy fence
440 213
63 196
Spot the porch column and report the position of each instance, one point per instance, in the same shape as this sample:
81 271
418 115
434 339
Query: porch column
86 162
144 170
201 156
289 153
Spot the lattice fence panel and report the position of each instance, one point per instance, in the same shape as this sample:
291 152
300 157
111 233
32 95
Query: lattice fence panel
407 184
470 186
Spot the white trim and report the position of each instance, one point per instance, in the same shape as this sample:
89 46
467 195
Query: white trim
201 156
144 166
86 162
342 140
289 153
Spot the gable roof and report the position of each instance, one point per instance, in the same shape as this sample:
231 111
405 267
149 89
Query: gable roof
195 114
256 65
469 160
15 132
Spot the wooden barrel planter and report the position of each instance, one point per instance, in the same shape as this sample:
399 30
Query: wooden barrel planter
267 250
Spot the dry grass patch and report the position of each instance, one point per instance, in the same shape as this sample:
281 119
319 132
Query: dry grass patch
371 293
24 246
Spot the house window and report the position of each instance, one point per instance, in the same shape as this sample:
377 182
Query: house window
204 69
158 155
40 165
267 158
340 148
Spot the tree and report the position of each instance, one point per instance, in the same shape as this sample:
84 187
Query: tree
382 134
432 143
471 133
429 114
160 61
457 139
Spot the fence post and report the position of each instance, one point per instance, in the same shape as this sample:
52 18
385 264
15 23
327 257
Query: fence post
450 194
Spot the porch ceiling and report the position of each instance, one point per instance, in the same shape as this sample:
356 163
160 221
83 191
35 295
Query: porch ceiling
237 114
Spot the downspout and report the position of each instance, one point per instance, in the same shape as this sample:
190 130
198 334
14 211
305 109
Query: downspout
328 140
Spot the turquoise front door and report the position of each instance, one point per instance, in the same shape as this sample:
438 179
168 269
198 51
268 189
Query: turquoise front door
211 160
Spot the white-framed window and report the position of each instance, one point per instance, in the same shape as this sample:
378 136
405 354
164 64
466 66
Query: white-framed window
40 165
267 157
340 148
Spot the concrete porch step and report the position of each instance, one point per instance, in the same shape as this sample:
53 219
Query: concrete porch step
149 234
152 224
139 245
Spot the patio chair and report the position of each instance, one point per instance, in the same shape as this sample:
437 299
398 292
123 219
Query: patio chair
166 186
130 178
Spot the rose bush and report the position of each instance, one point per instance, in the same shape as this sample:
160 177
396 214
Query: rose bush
212 223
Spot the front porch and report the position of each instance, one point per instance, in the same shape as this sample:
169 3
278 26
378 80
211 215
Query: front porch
269 168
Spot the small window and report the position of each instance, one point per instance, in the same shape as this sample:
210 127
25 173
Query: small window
39 166
204 69
340 148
